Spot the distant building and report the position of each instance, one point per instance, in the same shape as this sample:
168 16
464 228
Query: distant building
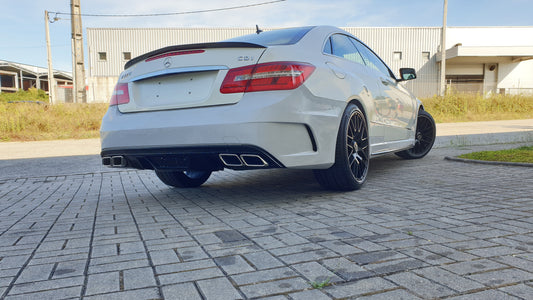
479 59
16 76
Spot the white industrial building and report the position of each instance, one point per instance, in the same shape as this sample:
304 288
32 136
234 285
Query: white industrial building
478 59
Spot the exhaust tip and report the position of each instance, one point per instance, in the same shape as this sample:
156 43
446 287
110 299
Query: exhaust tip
253 160
231 160
106 161
114 161
118 161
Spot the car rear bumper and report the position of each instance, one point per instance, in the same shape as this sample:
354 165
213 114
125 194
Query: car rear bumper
208 158
288 128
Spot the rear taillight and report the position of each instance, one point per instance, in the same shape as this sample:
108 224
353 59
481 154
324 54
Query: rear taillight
120 94
266 77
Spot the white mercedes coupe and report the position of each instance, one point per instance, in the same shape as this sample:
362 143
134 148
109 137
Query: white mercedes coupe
301 98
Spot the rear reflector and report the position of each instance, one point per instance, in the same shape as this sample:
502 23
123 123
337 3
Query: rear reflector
120 94
175 53
266 77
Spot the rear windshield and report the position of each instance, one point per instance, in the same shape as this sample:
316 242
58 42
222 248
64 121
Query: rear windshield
286 36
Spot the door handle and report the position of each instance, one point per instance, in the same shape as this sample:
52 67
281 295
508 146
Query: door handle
385 81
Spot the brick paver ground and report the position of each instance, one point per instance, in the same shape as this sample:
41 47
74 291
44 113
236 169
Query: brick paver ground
424 229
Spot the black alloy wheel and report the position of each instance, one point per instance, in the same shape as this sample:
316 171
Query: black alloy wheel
183 179
424 137
352 155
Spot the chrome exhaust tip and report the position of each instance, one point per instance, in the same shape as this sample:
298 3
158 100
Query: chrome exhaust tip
118 161
253 160
114 161
231 160
106 161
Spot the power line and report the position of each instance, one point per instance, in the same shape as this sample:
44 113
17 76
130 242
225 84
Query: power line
172 13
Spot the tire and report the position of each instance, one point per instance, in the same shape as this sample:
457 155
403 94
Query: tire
424 137
183 179
352 154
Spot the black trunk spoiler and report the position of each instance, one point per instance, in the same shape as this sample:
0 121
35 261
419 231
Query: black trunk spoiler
191 47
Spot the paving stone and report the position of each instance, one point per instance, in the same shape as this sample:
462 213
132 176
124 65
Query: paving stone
54 284
103 283
448 279
420 285
309 294
520 290
218 288
315 272
360 287
394 266
495 251
485 295
233 264
266 275
374 257
109 267
346 269
398 294
228 236
307 256
35 273
341 247
187 276
149 293
502 277
161 257
262 260
60 293
475 266
138 278
274 287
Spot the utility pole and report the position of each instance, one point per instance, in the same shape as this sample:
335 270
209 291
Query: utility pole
51 80
77 47
442 88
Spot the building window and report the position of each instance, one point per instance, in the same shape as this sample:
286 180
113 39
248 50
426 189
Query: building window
126 55
102 56
397 55
425 56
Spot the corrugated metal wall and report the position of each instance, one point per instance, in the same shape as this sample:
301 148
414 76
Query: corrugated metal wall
411 42
137 41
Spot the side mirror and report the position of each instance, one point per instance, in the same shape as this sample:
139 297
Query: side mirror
407 74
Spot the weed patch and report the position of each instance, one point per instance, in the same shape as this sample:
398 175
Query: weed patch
474 107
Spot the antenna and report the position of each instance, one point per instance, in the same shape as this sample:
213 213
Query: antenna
257 30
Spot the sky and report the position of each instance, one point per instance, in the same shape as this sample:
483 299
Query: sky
23 38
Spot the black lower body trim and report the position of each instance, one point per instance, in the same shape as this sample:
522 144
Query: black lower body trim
192 158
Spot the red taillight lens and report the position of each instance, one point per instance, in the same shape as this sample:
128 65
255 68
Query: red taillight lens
120 94
266 77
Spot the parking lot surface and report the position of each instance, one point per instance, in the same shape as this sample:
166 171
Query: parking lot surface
428 228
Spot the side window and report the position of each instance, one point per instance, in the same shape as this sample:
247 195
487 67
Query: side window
371 59
342 47
327 47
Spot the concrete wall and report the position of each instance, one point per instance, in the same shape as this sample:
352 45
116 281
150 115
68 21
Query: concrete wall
101 88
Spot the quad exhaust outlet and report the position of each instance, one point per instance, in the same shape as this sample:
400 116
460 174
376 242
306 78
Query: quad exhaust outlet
243 160
118 161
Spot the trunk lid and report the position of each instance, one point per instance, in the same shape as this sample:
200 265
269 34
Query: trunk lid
185 76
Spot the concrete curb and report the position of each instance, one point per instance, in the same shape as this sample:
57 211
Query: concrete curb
485 162
484 139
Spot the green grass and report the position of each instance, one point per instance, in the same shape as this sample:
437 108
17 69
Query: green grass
321 284
474 107
518 155
33 122
31 94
